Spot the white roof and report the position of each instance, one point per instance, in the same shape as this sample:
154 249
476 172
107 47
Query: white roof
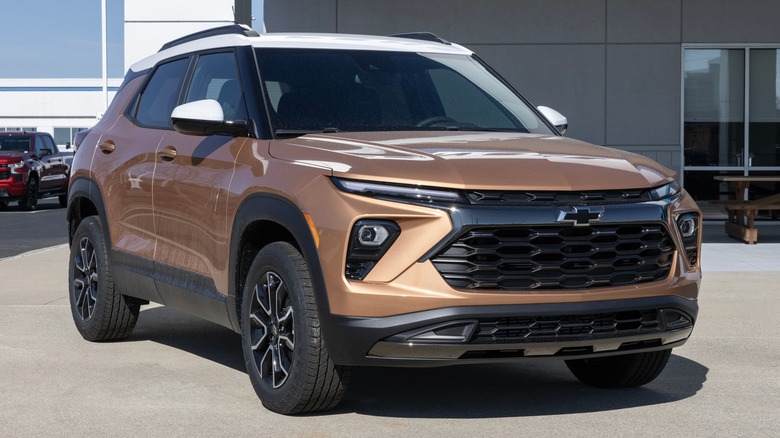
304 41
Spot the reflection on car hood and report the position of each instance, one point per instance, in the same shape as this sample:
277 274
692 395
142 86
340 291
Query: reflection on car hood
484 160
10 156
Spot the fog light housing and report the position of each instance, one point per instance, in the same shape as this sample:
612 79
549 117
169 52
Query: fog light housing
689 225
368 242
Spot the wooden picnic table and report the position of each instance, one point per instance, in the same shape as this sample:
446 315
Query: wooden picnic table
741 212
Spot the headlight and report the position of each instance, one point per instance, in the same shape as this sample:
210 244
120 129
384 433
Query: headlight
665 191
17 167
689 225
399 192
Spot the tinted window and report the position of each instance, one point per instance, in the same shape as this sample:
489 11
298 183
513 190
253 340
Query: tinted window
313 90
216 77
15 143
161 94
47 144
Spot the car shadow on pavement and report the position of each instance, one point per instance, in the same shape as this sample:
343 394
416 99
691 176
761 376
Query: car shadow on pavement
506 390
526 388
185 332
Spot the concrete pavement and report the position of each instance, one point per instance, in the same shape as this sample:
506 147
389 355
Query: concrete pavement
181 376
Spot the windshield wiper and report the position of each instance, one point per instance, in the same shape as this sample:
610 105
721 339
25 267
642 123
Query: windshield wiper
300 132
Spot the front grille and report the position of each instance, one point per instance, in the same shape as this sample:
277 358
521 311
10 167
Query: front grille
577 327
595 197
5 174
520 258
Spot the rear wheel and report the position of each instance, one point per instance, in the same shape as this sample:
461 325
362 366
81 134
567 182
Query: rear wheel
99 311
285 355
624 371
30 200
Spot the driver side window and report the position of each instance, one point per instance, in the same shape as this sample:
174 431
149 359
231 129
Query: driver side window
216 77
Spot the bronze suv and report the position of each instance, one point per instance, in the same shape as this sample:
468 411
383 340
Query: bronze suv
345 200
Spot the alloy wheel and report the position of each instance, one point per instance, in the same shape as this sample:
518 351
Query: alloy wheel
85 281
272 329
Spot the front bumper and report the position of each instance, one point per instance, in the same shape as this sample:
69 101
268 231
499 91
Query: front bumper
457 335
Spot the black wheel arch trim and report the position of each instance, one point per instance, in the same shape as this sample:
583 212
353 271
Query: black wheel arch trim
277 209
83 187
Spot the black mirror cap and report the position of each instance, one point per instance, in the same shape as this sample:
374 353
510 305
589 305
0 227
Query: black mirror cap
235 128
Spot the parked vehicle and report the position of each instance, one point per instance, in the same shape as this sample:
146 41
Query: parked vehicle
31 168
345 200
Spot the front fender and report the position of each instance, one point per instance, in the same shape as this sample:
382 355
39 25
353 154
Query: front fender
273 208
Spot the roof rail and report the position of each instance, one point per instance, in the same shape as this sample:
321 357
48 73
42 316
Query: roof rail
232 29
425 36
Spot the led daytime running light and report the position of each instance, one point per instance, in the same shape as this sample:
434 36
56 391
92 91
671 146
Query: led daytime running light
397 191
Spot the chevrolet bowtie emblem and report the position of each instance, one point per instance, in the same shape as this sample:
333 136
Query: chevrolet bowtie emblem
580 216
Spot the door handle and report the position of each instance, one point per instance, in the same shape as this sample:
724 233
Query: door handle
107 147
168 153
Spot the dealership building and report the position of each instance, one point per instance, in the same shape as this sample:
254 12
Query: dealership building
64 106
693 84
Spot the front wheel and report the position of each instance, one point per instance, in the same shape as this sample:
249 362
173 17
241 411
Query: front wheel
285 355
99 311
625 371
30 200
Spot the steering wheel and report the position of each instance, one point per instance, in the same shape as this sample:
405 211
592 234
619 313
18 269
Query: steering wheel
435 120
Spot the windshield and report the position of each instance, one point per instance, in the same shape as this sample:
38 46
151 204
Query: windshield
345 90
15 144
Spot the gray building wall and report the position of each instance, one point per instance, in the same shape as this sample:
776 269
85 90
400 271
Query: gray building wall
611 66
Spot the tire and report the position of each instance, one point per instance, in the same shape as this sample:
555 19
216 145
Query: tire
280 326
99 311
30 200
626 371
3 205
63 200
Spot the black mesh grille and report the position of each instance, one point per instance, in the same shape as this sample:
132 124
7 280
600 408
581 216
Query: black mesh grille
577 327
5 174
556 257
494 197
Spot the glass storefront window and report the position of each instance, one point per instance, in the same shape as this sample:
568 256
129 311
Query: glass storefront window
714 116
64 136
731 116
764 109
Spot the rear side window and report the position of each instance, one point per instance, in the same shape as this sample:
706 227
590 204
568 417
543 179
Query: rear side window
161 94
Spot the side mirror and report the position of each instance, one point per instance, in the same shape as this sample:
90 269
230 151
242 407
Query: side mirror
67 145
556 119
205 117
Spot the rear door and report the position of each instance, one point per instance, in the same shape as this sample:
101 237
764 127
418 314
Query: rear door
125 162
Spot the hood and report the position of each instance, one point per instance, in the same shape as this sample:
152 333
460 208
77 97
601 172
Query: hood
11 156
475 160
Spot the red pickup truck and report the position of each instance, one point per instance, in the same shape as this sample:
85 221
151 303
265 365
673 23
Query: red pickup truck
31 167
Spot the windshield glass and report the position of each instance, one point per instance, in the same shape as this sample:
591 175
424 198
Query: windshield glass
15 144
344 90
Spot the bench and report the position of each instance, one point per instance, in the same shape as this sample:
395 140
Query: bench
741 221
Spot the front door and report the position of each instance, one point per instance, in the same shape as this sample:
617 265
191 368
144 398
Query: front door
191 184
